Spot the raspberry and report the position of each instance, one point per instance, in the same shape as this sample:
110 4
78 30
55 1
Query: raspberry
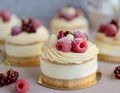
79 45
102 28
79 34
63 45
111 30
117 72
5 15
60 35
22 86
70 37
16 30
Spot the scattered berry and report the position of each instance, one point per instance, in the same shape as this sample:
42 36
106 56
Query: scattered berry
22 86
117 72
63 45
111 30
79 45
8 78
102 28
2 83
16 30
79 34
5 15
114 22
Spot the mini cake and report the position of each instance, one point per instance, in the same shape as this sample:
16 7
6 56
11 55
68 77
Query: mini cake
69 19
7 21
23 45
107 39
69 62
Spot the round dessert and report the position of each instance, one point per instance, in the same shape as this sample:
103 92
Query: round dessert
7 21
108 41
24 45
69 19
69 62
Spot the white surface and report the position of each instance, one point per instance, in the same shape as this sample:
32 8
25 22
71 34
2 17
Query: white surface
106 85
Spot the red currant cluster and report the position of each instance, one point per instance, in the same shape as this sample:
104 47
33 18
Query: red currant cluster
110 29
5 15
117 72
8 78
28 26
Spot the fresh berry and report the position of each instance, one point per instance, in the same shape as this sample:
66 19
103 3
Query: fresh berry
79 34
63 45
30 26
79 45
66 33
16 30
69 17
2 82
1 75
111 30
5 15
102 28
63 34
77 12
22 86
60 35
36 23
70 37
117 72
114 22
7 81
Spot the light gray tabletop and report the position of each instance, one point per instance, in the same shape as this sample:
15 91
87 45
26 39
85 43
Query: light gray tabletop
107 84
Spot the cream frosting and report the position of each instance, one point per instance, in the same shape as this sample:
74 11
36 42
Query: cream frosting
23 38
59 24
23 51
52 54
108 49
69 10
5 27
69 72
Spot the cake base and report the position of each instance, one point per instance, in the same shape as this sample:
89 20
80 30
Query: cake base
2 42
67 84
110 59
28 61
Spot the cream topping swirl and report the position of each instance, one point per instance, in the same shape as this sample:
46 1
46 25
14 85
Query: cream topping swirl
5 27
52 54
41 35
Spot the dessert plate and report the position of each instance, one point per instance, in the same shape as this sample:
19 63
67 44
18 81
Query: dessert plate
99 75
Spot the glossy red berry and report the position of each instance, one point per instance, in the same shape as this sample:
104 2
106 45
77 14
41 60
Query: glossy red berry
60 35
79 45
5 15
111 30
117 72
102 28
16 30
63 44
114 22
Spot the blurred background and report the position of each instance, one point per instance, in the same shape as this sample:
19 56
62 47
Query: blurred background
96 11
